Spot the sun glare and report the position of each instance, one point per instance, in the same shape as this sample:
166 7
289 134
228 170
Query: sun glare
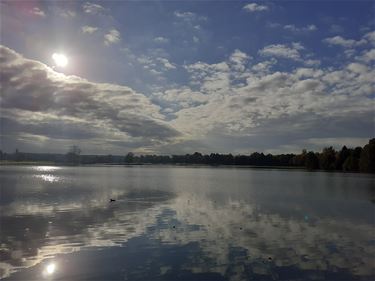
60 59
50 269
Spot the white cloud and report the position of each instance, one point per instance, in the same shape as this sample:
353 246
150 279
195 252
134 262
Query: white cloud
239 60
38 12
181 98
263 67
93 9
189 16
312 62
282 51
88 29
112 37
156 65
161 40
272 103
293 28
368 56
165 62
346 43
253 7
370 36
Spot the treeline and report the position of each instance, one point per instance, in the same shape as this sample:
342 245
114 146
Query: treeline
347 159
359 159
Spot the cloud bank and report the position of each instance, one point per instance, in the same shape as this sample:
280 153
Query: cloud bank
243 103
45 107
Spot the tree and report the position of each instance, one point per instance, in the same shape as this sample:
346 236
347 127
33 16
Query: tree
129 158
74 155
367 158
299 160
311 161
350 164
341 157
327 158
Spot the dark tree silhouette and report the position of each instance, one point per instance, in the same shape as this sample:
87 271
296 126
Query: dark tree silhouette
311 161
327 158
73 156
341 158
367 158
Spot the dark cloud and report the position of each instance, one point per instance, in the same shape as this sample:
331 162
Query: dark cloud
37 100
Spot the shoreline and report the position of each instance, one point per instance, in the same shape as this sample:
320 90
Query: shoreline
46 163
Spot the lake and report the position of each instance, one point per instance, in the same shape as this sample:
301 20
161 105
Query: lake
185 223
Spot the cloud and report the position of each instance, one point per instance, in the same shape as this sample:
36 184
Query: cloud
293 28
93 9
255 105
346 43
282 51
89 29
112 37
38 12
161 40
370 36
156 65
189 16
35 100
239 59
253 7
165 62
181 98
367 56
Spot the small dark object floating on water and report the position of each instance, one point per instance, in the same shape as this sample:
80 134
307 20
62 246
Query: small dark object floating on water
112 200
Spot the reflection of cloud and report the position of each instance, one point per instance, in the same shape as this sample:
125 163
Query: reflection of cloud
324 245
230 232
51 231
38 12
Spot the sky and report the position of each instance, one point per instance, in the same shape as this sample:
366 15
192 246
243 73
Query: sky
175 77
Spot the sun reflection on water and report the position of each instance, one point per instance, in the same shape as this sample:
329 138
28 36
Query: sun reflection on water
46 168
48 177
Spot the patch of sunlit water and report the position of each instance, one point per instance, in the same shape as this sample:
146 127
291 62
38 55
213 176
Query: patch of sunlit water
46 168
48 178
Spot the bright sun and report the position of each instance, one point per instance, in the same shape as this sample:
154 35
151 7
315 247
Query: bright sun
50 269
60 59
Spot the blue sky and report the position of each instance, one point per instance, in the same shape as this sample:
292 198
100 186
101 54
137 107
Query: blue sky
179 77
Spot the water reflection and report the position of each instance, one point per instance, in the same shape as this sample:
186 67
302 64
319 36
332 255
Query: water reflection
166 224
45 168
48 177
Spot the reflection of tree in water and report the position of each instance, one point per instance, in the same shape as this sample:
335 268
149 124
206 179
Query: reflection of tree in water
27 239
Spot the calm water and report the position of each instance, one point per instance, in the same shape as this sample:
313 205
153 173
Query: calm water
181 223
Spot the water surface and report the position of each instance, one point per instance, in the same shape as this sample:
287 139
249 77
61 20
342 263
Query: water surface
185 223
